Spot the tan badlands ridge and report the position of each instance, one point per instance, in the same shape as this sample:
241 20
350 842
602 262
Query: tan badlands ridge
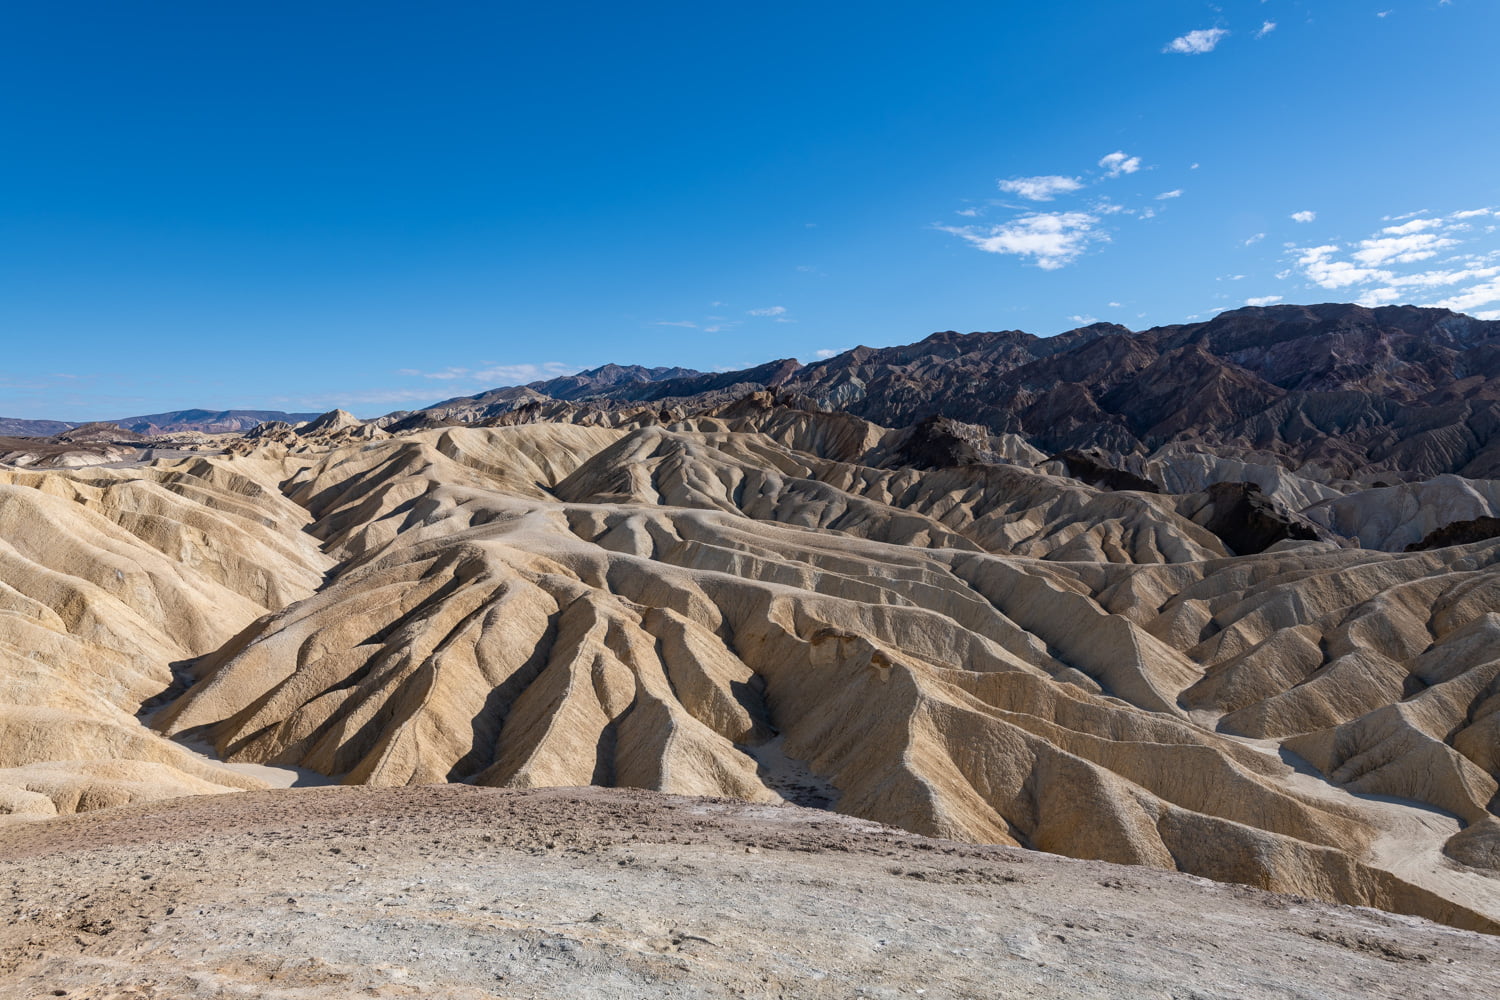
759 603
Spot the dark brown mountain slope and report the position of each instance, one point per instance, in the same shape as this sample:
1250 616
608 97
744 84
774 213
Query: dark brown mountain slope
1401 392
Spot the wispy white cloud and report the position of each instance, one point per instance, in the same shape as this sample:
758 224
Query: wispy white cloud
1040 188
1251 241
1304 216
1406 249
355 400
1376 271
767 311
1266 29
708 324
1411 287
1471 298
1118 163
1197 42
1375 297
1169 194
1414 226
1263 300
1323 269
521 374
496 374
1084 320
1441 279
1050 239
824 353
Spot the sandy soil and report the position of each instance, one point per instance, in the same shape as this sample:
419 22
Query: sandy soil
454 891
276 777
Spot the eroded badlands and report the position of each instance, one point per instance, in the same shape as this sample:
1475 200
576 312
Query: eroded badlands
766 604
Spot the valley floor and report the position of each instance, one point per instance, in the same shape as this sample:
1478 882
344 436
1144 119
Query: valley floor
456 891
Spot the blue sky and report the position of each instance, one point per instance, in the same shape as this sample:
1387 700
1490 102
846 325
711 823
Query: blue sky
379 205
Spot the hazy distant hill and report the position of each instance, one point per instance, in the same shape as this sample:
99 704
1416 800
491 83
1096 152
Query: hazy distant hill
207 421
16 427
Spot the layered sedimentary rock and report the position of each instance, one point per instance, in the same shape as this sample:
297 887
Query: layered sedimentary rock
110 579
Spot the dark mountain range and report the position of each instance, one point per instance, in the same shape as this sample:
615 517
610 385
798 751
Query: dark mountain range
1398 389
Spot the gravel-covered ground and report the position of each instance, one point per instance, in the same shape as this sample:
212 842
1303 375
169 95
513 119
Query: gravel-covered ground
454 891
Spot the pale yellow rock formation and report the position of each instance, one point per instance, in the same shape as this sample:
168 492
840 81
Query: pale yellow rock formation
108 578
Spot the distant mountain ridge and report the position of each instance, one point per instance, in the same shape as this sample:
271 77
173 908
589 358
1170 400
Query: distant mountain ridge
176 421
1399 388
1409 391
17 427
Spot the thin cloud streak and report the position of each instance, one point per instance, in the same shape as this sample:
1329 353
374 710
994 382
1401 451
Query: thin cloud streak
1040 188
496 374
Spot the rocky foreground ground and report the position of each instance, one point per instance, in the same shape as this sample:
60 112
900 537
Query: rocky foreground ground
455 891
